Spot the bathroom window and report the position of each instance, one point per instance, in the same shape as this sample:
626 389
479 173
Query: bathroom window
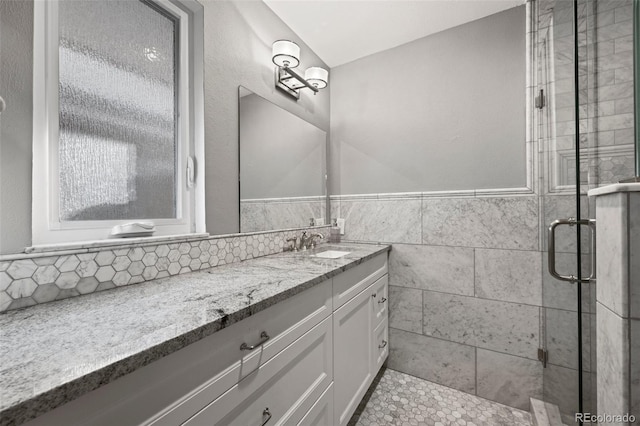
114 110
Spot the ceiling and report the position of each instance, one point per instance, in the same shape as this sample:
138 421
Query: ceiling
341 31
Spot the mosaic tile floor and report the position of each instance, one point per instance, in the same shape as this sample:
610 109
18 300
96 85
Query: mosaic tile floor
396 398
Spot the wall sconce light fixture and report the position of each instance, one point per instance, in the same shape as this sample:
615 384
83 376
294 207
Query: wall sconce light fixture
286 56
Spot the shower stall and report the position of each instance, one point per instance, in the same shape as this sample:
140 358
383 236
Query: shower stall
584 127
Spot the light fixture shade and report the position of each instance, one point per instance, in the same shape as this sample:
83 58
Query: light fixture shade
317 77
285 53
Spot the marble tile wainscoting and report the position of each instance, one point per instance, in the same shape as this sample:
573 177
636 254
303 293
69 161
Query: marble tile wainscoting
280 213
43 276
468 285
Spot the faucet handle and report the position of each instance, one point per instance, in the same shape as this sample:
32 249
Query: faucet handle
312 239
292 247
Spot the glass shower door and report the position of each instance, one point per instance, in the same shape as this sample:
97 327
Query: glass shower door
585 136
566 304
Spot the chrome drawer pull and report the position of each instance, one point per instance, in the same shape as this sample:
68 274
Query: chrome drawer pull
263 336
384 343
384 299
267 413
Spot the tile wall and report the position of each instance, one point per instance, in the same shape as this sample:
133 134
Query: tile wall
618 304
280 213
465 288
471 299
606 81
41 277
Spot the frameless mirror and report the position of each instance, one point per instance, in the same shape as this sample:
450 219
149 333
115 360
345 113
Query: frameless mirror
282 167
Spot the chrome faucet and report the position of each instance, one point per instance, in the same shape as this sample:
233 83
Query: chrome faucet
309 241
306 241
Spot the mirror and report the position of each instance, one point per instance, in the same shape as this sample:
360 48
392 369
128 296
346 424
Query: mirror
282 167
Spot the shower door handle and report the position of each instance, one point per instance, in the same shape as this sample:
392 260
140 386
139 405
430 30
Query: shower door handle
591 223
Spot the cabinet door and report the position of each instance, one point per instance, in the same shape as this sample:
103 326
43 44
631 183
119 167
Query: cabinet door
353 335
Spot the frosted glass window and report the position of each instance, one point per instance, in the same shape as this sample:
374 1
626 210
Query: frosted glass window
117 109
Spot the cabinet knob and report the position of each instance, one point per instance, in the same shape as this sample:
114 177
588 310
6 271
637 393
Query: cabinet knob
266 413
384 299
374 295
384 343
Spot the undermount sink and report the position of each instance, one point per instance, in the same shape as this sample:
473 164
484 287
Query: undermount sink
331 254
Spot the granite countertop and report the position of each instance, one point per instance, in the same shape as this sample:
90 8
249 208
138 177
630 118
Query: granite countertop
56 352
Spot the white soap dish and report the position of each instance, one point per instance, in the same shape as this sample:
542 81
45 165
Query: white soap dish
135 229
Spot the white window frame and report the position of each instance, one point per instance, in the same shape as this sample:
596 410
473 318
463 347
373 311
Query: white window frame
47 228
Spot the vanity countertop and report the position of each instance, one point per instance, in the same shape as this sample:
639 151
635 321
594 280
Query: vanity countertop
56 352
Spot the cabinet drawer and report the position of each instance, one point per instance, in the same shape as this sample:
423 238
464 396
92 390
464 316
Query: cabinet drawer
283 323
381 345
351 282
380 301
321 414
287 385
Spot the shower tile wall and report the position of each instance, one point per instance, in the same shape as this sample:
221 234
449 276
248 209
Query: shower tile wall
465 288
618 303
606 96
611 91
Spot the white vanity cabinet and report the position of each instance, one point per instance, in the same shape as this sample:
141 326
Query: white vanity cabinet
307 360
360 333
175 388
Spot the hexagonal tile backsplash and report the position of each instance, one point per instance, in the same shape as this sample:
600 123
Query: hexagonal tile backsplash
31 279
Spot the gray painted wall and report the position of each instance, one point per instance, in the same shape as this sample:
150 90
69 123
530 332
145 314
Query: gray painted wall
238 38
444 112
459 257
281 155
16 45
